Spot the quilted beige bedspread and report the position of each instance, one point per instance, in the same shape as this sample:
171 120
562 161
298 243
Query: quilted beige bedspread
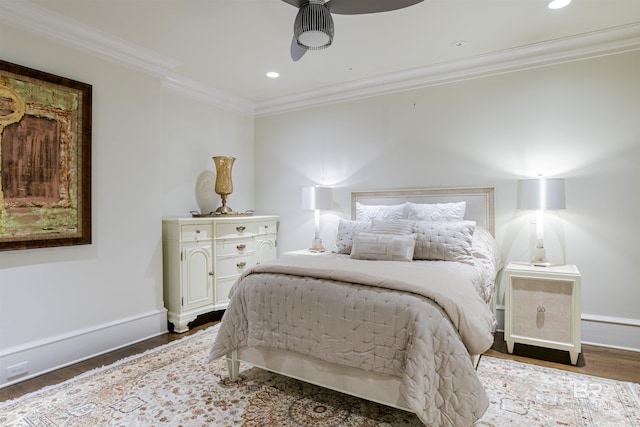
415 321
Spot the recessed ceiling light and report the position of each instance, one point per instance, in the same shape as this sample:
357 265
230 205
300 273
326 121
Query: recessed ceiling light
558 4
273 75
459 43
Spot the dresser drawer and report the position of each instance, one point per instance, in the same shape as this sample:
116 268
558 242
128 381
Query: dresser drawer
222 290
267 227
235 247
235 229
542 309
195 232
233 266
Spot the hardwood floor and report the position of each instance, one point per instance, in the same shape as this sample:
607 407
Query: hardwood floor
60 375
597 361
622 365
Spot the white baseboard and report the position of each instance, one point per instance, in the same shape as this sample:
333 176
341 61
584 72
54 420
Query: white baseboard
611 332
603 331
63 350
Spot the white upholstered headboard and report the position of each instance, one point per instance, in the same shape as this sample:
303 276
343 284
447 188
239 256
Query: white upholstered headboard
480 201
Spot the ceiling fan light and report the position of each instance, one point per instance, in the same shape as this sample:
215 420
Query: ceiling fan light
314 39
558 4
313 27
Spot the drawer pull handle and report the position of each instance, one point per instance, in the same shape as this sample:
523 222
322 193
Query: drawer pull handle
240 228
241 247
541 309
211 273
241 264
197 231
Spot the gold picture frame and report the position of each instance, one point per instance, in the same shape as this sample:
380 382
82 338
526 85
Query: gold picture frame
45 159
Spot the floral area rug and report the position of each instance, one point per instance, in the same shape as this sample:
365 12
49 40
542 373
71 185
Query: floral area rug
173 385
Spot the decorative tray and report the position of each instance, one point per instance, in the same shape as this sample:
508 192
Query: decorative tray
195 214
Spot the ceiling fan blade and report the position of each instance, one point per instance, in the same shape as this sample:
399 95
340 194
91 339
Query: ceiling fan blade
357 7
297 52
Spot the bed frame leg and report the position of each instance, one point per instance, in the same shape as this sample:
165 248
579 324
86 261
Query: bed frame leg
476 361
233 365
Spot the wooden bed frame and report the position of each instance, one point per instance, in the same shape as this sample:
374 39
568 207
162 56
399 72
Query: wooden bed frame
367 385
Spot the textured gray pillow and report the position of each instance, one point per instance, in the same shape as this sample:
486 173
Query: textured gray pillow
383 247
392 227
444 241
344 238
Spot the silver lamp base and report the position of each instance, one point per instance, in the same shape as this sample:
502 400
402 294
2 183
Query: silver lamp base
540 257
316 246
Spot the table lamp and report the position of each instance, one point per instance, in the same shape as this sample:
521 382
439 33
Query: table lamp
540 194
317 199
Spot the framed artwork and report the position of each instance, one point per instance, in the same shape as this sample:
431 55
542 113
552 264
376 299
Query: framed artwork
45 159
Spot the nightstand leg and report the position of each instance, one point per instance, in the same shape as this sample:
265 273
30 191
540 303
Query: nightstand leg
510 346
574 357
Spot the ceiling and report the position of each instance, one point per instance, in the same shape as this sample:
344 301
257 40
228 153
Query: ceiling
229 45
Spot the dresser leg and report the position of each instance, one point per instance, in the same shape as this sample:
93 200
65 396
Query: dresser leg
510 346
574 357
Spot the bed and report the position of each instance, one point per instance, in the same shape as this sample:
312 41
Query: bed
379 324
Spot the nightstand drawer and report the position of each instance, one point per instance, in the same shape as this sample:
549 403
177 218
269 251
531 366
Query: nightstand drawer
543 308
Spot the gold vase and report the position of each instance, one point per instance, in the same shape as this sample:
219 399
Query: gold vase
224 185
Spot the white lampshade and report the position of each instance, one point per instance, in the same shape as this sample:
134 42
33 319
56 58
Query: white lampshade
317 198
541 193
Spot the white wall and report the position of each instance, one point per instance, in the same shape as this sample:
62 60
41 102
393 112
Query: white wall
576 120
150 145
193 133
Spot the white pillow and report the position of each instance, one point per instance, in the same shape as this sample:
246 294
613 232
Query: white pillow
379 212
383 247
344 238
444 241
392 227
436 211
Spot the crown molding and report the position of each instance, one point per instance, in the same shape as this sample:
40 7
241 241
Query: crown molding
35 19
32 18
207 95
606 42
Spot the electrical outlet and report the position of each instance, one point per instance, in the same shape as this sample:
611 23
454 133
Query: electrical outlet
17 369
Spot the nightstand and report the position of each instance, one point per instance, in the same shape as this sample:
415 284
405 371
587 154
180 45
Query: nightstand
543 307
305 252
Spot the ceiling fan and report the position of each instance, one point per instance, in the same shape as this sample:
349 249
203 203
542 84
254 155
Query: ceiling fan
313 27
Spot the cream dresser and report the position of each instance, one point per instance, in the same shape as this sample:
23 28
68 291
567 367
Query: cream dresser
203 257
543 307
